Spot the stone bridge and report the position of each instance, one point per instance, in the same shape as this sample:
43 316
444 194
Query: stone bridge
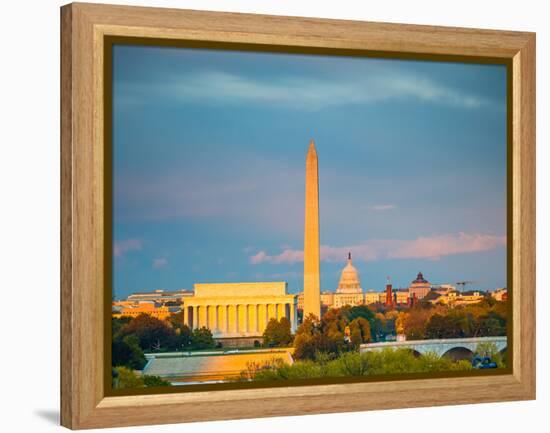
458 348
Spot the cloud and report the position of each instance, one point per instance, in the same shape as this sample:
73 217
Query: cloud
426 247
287 256
160 263
120 248
444 245
382 207
260 257
302 92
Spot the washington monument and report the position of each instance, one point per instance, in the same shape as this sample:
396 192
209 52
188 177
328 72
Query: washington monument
312 292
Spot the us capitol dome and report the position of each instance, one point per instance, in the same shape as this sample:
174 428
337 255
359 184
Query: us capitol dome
349 291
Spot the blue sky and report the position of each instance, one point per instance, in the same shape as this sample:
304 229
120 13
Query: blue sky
209 153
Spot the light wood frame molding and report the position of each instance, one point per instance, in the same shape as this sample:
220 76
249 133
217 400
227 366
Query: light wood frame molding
83 401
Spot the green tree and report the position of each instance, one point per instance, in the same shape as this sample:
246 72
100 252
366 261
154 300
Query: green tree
124 378
182 337
440 326
379 327
153 334
150 380
387 361
117 324
492 324
126 352
202 339
360 311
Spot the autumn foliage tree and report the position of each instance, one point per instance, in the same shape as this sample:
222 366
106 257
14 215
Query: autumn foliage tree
330 334
359 331
486 318
277 333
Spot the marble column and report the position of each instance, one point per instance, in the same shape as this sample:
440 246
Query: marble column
195 318
245 318
257 314
292 317
236 306
282 311
226 318
215 324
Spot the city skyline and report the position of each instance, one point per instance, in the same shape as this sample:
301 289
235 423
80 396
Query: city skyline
412 161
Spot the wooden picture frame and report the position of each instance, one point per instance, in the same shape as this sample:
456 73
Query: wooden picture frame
84 27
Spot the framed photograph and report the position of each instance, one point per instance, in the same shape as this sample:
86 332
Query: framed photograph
266 216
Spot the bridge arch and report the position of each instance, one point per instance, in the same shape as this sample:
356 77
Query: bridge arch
414 352
458 353
457 348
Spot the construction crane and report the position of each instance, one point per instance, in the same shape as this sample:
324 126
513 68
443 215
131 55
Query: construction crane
464 283
461 284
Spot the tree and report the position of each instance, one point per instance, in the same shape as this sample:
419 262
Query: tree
400 322
360 331
387 361
176 320
124 378
202 339
277 333
150 380
126 352
182 337
314 337
360 311
117 324
442 327
305 346
415 323
153 334
492 324
379 326
490 350
307 339
391 317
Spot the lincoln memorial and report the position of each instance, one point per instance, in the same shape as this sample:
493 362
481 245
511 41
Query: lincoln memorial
233 310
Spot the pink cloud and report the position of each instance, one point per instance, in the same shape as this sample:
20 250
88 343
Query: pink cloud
287 256
444 245
425 247
122 247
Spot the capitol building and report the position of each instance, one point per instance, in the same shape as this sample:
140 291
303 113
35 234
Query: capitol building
349 291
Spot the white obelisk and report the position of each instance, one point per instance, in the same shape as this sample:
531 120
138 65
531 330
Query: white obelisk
312 292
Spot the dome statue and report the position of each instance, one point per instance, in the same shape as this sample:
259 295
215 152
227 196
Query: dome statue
349 280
